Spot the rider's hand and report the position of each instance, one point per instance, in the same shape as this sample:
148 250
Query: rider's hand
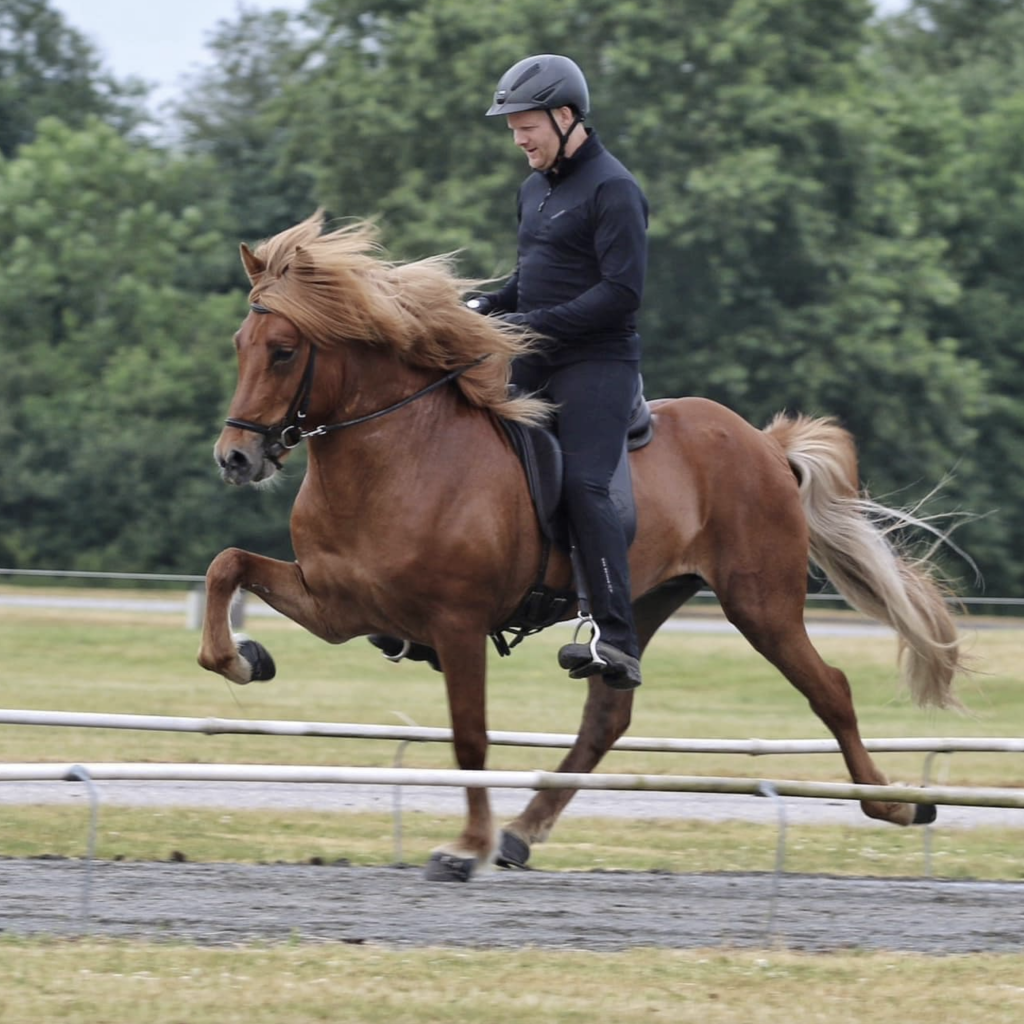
514 319
481 304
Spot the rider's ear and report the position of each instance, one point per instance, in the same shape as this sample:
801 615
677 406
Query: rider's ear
254 266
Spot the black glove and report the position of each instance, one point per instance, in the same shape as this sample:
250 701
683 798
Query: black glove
515 319
482 304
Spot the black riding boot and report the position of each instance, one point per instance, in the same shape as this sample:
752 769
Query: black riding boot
619 670
615 656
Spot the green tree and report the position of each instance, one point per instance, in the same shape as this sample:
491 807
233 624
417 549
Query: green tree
47 68
229 115
115 366
959 67
834 229
787 270
796 257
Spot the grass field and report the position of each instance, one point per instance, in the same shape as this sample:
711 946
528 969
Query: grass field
706 685
700 685
87 982
703 685
581 844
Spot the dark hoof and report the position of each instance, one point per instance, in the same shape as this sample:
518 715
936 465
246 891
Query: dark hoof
513 852
925 814
263 667
447 867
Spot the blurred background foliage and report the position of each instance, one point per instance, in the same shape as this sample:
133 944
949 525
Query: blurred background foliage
837 228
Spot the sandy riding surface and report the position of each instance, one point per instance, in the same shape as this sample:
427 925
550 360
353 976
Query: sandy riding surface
230 903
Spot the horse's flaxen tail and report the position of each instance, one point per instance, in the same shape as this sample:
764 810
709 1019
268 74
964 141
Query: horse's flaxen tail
850 540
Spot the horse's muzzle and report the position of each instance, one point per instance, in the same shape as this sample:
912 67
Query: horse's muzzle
239 467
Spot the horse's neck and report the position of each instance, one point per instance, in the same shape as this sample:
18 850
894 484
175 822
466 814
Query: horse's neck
365 380
377 460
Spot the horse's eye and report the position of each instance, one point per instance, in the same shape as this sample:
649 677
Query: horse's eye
281 355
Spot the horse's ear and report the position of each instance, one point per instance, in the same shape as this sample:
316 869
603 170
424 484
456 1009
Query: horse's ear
254 266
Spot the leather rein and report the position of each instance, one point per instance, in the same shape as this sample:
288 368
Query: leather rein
291 431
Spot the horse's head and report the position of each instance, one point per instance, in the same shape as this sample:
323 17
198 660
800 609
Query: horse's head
266 415
314 292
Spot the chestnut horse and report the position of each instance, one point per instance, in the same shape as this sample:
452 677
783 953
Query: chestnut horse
414 518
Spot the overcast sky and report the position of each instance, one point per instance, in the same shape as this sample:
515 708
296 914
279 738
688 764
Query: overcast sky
161 41
158 42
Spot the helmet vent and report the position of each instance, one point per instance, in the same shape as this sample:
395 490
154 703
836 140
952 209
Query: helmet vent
547 91
531 72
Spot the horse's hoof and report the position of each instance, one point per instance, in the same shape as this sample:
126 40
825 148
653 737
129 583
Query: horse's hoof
449 867
513 852
925 814
263 667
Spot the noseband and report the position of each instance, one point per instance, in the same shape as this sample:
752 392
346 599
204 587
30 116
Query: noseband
291 431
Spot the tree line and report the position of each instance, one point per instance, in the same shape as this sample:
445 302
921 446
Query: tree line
837 228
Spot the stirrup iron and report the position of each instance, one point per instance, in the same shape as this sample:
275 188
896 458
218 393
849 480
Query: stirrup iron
406 646
595 634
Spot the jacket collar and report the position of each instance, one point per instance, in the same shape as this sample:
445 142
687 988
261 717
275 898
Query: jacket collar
588 150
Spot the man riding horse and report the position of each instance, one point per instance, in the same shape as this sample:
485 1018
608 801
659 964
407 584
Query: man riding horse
578 282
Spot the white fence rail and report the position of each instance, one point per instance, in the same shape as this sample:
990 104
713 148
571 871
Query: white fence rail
91 773
532 780
425 734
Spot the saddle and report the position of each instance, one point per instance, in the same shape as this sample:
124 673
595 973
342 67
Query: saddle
540 453
541 456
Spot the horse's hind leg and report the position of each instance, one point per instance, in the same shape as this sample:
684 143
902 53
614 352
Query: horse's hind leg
775 628
606 716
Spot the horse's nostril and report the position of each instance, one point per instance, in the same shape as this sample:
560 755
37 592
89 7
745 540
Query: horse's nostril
235 462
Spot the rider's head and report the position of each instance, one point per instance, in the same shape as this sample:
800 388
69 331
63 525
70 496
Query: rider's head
545 99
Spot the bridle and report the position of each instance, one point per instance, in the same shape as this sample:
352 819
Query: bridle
291 431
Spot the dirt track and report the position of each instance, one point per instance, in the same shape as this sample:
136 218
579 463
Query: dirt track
225 903
229 903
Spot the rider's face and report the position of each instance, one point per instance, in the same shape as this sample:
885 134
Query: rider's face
535 135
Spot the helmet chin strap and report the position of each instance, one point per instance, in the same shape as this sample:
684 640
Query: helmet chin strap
563 137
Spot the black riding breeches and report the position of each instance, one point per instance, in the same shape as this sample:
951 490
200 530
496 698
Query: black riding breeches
594 400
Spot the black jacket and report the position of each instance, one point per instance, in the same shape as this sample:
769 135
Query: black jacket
582 257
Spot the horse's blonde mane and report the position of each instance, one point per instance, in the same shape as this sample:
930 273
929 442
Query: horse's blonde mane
337 287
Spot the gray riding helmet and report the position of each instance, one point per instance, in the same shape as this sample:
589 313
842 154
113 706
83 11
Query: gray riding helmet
543 82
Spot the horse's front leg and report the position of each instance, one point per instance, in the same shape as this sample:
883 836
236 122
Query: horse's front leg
464 663
280 584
